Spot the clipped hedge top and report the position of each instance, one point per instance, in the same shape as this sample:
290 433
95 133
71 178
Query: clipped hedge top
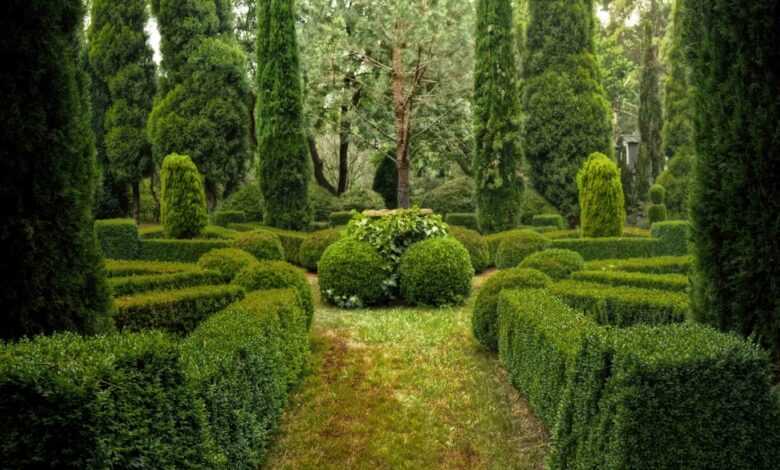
172 296
123 268
637 295
671 264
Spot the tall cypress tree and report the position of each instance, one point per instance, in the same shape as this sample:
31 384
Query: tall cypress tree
568 112
122 59
284 161
651 159
47 174
677 133
496 111
735 193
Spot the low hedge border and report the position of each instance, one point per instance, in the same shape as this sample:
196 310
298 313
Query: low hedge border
186 251
340 218
548 220
673 236
269 275
623 306
242 362
211 232
476 246
659 265
610 248
176 311
463 219
122 268
118 238
225 218
667 282
130 285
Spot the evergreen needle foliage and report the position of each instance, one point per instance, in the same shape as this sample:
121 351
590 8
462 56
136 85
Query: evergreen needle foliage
602 206
651 159
183 206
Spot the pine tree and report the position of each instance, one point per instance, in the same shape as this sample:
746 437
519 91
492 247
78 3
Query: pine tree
285 169
496 109
651 159
120 55
47 175
677 133
735 193
568 115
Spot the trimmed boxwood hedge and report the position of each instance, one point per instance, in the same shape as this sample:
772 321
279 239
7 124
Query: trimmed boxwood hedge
484 320
611 248
123 268
224 218
623 306
352 274
315 245
478 249
118 238
226 261
135 284
184 251
558 264
670 282
436 272
114 401
463 219
516 245
241 362
673 236
291 241
268 275
261 244
177 311
548 220
659 265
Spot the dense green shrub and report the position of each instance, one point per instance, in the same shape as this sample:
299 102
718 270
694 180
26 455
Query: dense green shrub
476 246
353 274
623 306
657 194
224 218
247 199
112 401
241 362
539 339
339 218
315 245
137 284
177 311
436 272
463 219
677 396
285 167
548 220
322 202
291 241
516 245
673 236
658 265
122 268
611 248
183 205
657 213
268 275
676 180
48 179
558 264
183 251
456 195
386 181
360 200
484 320
262 244
602 208
228 262
210 232
669 282
534 204
118 238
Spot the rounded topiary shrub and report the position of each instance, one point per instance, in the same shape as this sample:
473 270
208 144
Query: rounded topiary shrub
262 244
558 264
183 205
360 200
267 275
484 321
602 206
352 274
453 196
322 202
249 200
658 194
657 213
476 246
516 245
226 261
436 272
315 245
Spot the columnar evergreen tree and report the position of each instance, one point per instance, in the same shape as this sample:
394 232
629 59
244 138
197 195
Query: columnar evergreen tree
496 111
677 133
568 113
735 193
602 204
47 175
285 169
651 158
183 205
120 55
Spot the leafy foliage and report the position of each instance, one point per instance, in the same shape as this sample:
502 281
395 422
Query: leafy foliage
118 238
476 246
359 200
677 132
515 246
457 195
315 245
247 199
353 274
676 180
226 261
261 244
601 198
183 206
386 182
556 263
266 275
436 272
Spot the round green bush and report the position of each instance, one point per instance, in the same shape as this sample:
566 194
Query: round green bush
657 213
657 194
602 205
352 274
515 246
361 200
268 275
436 272
249 200
262 244
226 261
484 321
476 246
315 245
183 205
453 196
558 264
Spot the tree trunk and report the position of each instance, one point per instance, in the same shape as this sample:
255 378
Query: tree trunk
137 201
345 134
402 121
319 166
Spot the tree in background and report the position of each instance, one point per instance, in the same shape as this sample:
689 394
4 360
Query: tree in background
568 114
651 159
47 176
285 169
498 156
677 134
386 181
602 206
735 193
183 206
122 59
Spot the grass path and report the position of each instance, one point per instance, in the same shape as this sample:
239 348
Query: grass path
405 389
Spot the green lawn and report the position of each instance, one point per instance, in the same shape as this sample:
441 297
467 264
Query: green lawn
405 388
